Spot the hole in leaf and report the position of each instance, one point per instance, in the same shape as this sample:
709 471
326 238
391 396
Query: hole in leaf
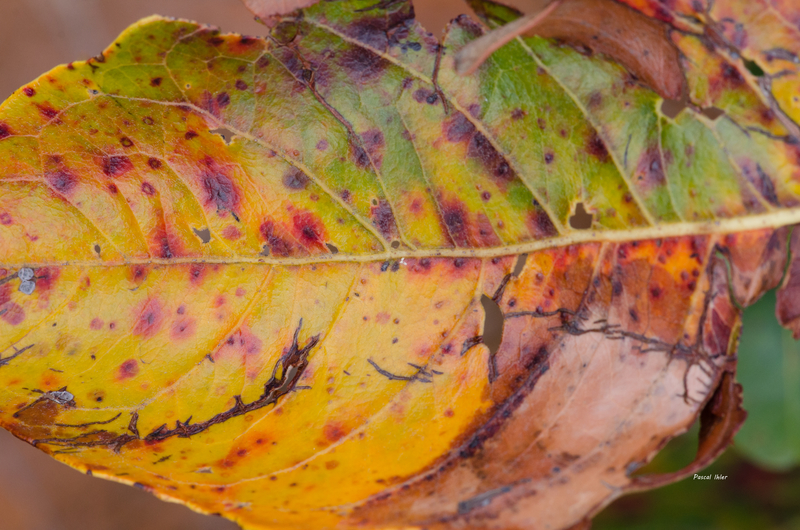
395 245
374 202
227 134
97 249
581 220
712 113
492 325
753 68
332 248
672 107
264 251
204 234
521 259
676 454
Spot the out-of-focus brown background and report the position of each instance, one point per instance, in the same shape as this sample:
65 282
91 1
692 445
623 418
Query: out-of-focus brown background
38 493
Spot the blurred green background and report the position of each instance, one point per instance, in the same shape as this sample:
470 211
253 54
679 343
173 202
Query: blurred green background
762 490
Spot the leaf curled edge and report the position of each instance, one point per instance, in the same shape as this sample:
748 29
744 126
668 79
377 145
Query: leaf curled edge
637 42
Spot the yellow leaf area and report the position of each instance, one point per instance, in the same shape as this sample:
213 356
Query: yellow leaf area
289 327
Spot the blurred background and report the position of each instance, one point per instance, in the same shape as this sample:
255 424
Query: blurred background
762 490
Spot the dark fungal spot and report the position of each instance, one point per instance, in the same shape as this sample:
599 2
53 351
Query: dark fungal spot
5 131
147 120
486 195
190 134
596 147
548 158
518 114
732 75
277 245
116 165
483 150
359 155
295 179
112 188
62 181
454 219
47 111
219 189
421 95
541 225
126 142
28 91
148 189
458 128
374 143
127 370
156 81
223 99
310 230
362 65
595 99
154 163
240 85
383 217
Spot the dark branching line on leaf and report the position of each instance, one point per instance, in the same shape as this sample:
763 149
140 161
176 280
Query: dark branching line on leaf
422 374
5 360
77 425
285 375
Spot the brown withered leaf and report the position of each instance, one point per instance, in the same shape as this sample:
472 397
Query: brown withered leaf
603 26
268 10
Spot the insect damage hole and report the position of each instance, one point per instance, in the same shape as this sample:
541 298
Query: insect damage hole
97 249
581 219
332 248
712 113
204 234
226 134
492 324
672 107
395 245
519 265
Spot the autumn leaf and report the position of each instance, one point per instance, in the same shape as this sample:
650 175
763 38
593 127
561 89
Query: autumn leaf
254 275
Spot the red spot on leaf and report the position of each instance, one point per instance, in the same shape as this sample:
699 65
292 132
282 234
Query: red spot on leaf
220 190
116 165
148 189
182 329
231 233
277 244
5 219
28 91
295 179
150 318
383 218
96 323
374 143
47 111
61 180
128 369
309 230
333 431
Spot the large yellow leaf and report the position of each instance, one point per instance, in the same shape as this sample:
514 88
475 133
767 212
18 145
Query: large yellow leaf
253 275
